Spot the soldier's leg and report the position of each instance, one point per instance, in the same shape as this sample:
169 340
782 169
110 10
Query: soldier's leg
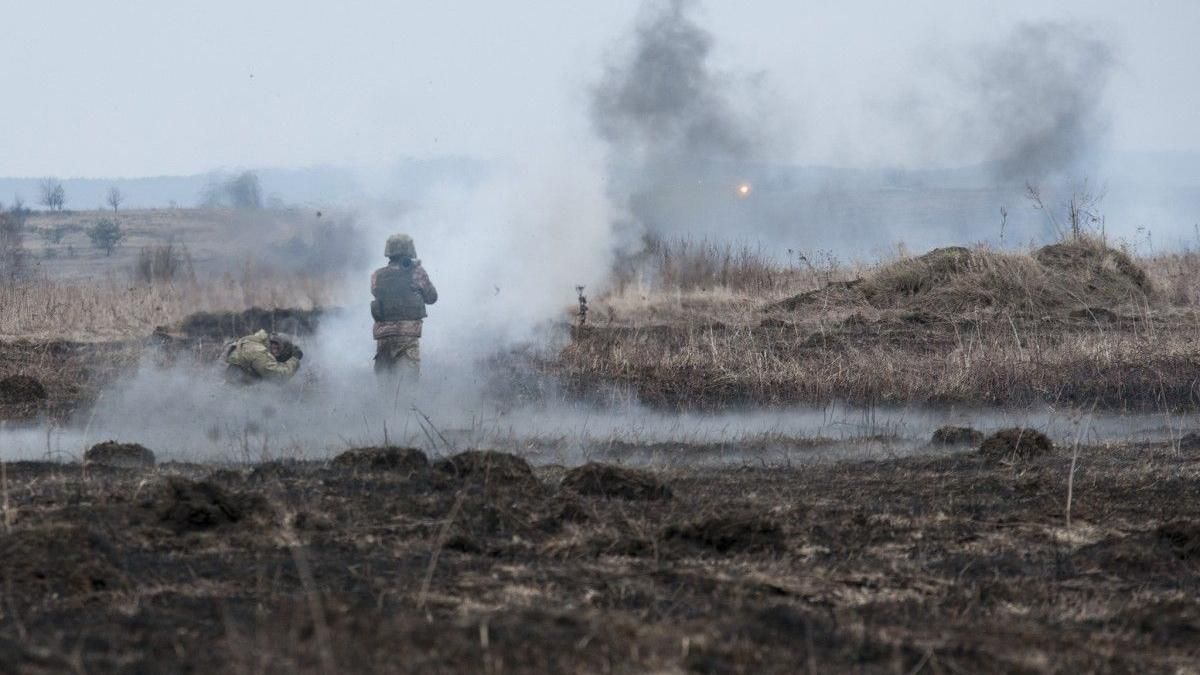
409 362
384 359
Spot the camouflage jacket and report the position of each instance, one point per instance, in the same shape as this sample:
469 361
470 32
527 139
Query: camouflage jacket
423 286
253 355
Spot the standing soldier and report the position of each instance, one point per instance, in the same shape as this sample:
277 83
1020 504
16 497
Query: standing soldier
401 290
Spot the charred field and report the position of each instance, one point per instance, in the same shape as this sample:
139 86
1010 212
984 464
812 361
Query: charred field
999 554
386 560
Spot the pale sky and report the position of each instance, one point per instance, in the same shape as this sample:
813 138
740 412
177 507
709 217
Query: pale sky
138 88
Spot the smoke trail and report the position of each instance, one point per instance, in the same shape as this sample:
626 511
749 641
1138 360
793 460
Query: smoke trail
1037 100
678 144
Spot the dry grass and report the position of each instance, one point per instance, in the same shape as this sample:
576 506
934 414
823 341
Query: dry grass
1074 323
115 309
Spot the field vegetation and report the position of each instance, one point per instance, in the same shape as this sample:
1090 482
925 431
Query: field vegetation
983 554
1073 323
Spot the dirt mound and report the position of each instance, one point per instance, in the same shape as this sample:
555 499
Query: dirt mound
59 561
488 467
946 281
606 480
835 293
21 389
225 325
919 275
950 435
120 455
390 458
735 533
1105 271
190 506
1016 443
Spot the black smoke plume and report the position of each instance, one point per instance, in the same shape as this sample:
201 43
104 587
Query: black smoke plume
1039 101
678 143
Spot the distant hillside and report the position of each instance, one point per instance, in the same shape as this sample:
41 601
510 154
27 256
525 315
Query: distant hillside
407 180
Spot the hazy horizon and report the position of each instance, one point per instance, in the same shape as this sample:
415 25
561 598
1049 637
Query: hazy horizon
145 89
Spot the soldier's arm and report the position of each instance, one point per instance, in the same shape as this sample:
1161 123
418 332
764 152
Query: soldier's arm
424 285
265 365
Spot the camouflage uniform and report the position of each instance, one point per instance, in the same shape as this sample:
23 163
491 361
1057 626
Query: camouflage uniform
249 360
401 291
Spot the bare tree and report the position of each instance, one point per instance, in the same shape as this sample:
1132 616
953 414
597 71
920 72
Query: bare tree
54 197
114 198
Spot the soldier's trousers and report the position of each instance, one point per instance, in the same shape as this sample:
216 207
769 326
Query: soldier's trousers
398 355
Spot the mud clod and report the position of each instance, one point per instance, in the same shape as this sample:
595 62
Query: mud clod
119 455
391 458
189 506
606 480
1182 537
55 560
949 435
487 466
21 389
1016 443
739 533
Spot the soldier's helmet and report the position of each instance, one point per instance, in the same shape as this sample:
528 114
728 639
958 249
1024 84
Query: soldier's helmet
400 244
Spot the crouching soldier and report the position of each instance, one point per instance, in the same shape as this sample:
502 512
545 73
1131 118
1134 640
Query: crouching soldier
401 291
261 357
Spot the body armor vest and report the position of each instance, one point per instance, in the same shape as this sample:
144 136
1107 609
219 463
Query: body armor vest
395 297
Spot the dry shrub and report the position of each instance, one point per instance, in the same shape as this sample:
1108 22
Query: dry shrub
687 265
164 263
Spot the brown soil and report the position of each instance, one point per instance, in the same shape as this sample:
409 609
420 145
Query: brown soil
120 455
954 564
956 436
606 480
1016 444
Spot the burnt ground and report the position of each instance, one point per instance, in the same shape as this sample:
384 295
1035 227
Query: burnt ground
957 564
